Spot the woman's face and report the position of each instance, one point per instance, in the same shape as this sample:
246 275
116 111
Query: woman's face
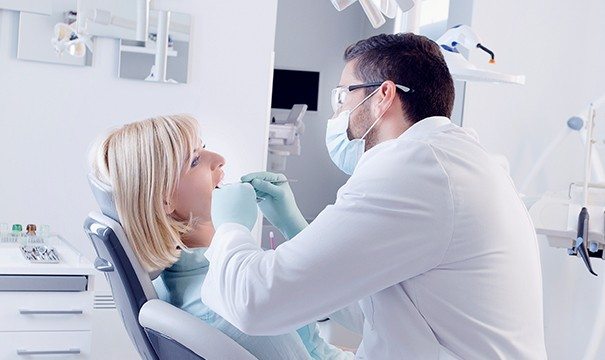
199 178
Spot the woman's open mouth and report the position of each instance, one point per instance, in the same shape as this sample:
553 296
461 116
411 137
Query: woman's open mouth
220 181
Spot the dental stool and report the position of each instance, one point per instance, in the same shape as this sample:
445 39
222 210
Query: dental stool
158 330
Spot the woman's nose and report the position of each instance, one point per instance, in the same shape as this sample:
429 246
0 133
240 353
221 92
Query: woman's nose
218 161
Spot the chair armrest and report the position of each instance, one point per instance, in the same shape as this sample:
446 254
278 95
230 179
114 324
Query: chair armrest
190 331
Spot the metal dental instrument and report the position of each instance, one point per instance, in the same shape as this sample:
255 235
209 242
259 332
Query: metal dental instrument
259 199
278 182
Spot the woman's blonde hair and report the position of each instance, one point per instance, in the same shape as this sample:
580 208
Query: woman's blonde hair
142 162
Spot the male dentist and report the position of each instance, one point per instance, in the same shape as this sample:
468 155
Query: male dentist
428 235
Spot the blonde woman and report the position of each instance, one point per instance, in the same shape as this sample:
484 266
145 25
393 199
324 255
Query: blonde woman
163 179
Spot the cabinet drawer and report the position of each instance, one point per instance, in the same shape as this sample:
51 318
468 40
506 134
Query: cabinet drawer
45 345
45 311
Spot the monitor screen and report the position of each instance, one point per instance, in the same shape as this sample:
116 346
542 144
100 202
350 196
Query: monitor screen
291 87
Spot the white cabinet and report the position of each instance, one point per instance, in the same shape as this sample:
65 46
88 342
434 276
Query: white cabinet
46 310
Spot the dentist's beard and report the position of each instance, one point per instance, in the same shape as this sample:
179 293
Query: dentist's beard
365 121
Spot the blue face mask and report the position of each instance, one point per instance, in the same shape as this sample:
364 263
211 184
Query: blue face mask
346 153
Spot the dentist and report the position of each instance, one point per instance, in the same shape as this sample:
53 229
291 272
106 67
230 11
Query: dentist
428 236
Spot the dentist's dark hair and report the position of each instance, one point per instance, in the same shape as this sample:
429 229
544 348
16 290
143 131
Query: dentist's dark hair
411 60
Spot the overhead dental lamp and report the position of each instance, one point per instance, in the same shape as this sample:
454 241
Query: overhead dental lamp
96 18
376 10
67 39
462 69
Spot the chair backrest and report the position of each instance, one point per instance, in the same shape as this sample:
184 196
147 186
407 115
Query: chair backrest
126 288
130 283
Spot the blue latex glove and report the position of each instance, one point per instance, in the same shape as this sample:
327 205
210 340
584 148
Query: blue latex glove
278 204
234 203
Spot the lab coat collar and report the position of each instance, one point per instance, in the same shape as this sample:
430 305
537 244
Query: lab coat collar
417 131
424 127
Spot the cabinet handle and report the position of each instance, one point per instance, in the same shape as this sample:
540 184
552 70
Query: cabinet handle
50 312
22 352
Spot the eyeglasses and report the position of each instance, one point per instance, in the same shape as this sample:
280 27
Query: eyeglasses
339 94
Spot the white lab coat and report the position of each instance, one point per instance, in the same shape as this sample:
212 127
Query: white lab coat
428 235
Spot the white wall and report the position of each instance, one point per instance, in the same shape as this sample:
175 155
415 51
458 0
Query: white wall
312 35
557 45
49 114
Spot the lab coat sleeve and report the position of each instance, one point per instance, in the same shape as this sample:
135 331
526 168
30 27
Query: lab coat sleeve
392 221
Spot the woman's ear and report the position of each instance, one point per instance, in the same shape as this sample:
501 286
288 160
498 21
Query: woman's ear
168 207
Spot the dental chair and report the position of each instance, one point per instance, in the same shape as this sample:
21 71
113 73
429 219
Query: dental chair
157 329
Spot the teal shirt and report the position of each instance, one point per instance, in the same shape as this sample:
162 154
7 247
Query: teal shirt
183 282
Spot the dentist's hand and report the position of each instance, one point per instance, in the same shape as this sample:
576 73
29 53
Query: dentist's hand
234 203
278 206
